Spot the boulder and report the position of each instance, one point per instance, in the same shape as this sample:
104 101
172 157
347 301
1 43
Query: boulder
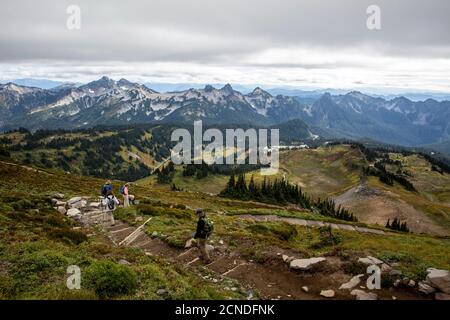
73 200
385 268
439 279
154 234
73 212
411 283
352 283
188 244
305 288
78 204
124 262
395 273
58 195
305 264
327 293
425 288
161 292
362 295
442 296
62 210
369 260
94 204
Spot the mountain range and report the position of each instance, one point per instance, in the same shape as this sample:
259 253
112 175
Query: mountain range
108 102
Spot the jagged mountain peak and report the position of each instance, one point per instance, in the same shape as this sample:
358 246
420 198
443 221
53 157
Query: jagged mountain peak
227 89
260 92
209 88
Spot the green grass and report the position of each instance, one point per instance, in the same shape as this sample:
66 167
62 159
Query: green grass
37 244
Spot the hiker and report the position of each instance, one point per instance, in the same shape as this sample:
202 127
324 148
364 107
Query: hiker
124 191
107 189
204 230
109 199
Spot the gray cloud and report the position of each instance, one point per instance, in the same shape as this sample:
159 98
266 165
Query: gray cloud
202 30
244 36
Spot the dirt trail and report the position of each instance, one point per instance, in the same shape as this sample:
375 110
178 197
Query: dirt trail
273 279
312 223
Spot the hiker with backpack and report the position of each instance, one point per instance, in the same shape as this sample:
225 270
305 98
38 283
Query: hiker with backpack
107 189
204 230
124 191
109 199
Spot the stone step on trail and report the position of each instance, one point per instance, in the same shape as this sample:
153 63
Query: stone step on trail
117 226
159 248
141 237
117 237
124 228
141 244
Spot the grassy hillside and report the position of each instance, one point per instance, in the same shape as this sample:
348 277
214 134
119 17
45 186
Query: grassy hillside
339 171
128 153
37 243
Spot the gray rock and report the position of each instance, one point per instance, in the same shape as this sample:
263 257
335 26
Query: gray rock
286 258
62 210
352 283
395 273
362 295
73 200
385 268
425 288
78 205
58 195
439 279
162 292
442 296
73 212
154 234
411 283
188 244
209 247
124 262
305 264
327 293
369 260
94 204
305 288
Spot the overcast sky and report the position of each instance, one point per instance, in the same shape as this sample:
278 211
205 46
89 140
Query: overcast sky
271 43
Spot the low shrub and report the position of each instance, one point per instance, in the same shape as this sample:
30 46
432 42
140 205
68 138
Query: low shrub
326 238
281 230
109 279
